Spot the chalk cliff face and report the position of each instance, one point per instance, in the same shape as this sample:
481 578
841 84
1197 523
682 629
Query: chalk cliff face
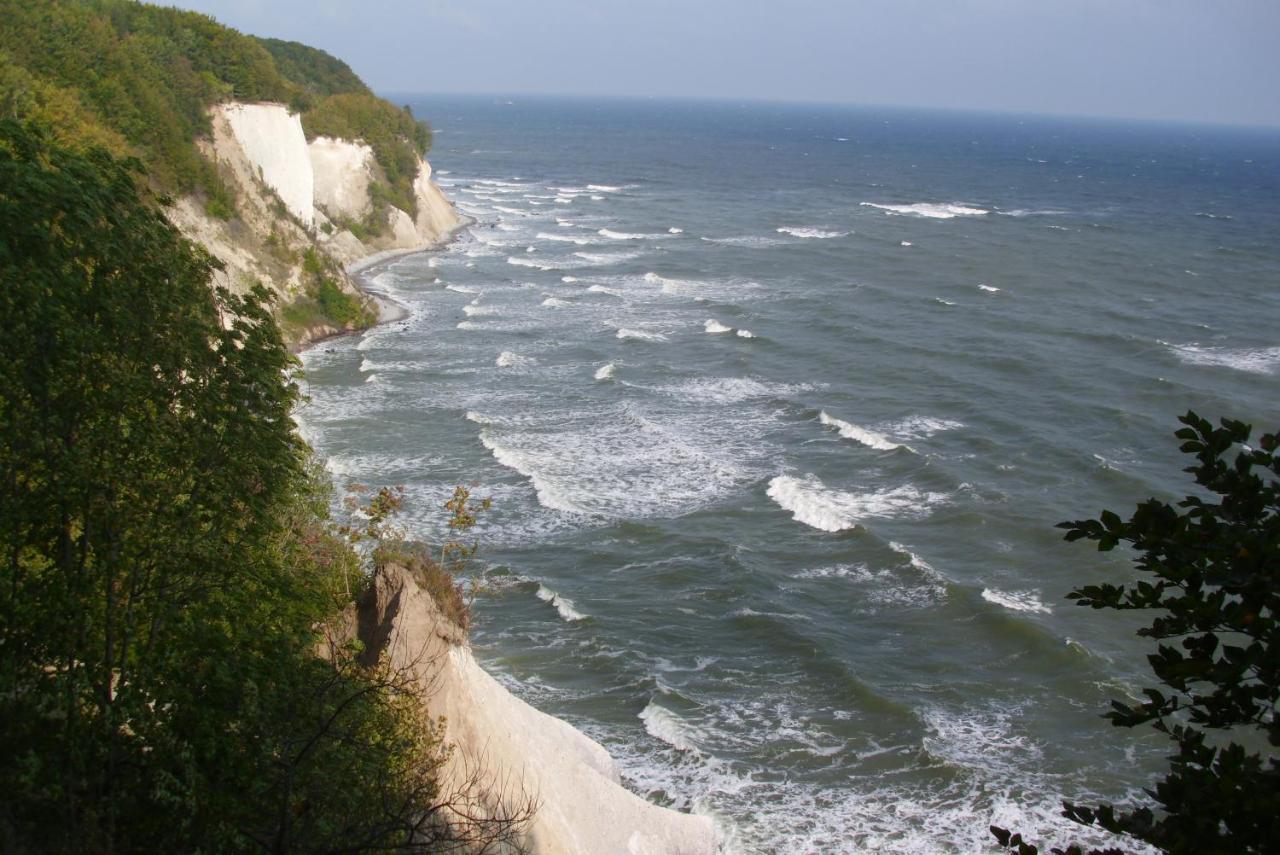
520 752
288 195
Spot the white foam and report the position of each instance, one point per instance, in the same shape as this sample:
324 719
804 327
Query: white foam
568 278
919 427
372 378
604 188
613 235
513 211
605 372
1254 360
579 240
813 504
461 289
564 607
527 262
605 258
746 334
755 241
1018 601
942 302
665 725
730 390
509 359
813 233
472 310
713 326
675 231
990 289
931 210
556 303
604 289
859 434
469 325
639 335
904 243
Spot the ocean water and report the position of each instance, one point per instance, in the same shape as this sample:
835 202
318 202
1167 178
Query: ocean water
778 407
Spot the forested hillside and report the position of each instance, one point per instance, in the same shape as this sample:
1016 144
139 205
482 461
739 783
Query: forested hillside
139 79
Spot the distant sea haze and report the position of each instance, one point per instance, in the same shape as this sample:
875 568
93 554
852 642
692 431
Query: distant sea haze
778 408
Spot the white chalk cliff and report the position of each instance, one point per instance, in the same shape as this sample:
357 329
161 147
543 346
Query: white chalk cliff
289 196
583 809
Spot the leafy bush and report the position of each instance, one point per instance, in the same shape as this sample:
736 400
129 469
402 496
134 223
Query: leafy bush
1211 567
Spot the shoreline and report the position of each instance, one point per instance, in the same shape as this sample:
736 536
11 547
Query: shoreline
389 309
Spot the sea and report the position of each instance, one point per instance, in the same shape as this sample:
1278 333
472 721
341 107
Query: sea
778 407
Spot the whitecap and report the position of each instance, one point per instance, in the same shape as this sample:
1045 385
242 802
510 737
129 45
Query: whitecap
904 243
562 605
814 233
604 289
1254 360
675 231
472 309
1018 601
605 258
868 438
613 235
639 335
605 372
746 334
814 504
568 278
931 210
527 262
580 241
372 378
942 302
556 303
604 188
665 725
461 289
711 325
509 359
753 241
919 427
990 289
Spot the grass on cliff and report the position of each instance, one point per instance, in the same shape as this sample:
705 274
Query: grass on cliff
323 302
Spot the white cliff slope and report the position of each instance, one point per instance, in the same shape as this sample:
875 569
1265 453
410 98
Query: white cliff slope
272 139
583 809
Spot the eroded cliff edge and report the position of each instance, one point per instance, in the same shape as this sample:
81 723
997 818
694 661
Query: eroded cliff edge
515 750
298 204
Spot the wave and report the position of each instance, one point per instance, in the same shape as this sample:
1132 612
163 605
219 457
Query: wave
509 359
730 390
527 262
568 278
372 378
471 310
612 235
666 726
745 334
1254 360
674 230
580 241
869 438
461 289
513 211
1209 216
751 241
605 188
942 302
919 427
818 234
604 289
562 605
990 289
711 325
556 303
605 372
931 210
603 258
812 503
639 335
904 243
469 325
1018 601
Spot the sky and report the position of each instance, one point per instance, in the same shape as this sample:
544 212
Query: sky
1198 60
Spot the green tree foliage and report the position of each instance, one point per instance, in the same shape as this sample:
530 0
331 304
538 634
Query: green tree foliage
314 70
166 564
1210 570
396 137
119 73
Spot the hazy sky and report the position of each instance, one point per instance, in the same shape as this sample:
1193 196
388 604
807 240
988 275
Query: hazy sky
1214 60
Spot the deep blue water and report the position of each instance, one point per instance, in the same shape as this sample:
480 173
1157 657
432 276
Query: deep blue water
807 581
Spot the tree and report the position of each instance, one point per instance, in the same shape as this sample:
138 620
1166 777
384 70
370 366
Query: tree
169 575
1210 570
